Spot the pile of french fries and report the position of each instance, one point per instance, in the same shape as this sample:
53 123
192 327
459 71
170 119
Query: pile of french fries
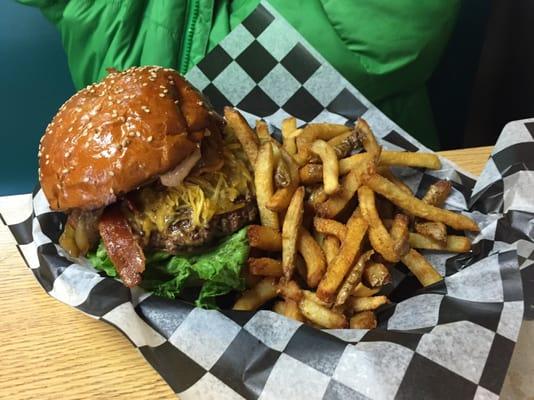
333 223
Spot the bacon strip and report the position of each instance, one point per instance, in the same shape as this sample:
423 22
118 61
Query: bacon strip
121 245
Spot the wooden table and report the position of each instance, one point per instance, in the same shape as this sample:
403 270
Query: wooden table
51 351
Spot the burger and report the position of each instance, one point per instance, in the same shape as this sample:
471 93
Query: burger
155 188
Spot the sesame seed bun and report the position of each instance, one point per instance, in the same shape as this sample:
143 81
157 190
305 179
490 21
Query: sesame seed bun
119 134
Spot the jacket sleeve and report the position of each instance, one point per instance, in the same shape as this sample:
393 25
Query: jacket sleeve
101 34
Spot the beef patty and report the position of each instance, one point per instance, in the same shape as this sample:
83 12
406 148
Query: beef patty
184 237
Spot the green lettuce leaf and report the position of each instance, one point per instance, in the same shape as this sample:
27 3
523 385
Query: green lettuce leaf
217 272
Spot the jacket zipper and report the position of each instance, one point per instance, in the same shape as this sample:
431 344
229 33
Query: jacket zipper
188 42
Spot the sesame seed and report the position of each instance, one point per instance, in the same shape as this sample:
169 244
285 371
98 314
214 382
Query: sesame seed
86 179
162 87
176 101
47 156
145 83
125 142
111 173
152 78
67 154
39 154
162 95
65 170
200 103
138 134
58 186
131 134
149 139
111 190
165 90
47 162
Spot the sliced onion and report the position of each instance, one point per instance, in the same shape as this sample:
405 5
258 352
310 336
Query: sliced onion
176 176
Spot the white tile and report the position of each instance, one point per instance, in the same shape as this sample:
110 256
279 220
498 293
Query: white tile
484 394
204 336
137 330
234 83
511 319
462 347
416 312
74 284
272 329
363 367
40 203
197 78
30 254
237 41
292 379
276 45
325 84
15 209
513 133
518 192
478 282
209 387
279 84
348 335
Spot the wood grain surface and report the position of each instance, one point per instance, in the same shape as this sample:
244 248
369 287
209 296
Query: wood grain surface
49 350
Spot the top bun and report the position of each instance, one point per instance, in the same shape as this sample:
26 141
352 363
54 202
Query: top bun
119 134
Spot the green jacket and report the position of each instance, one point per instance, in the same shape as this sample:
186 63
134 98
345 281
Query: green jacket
386 48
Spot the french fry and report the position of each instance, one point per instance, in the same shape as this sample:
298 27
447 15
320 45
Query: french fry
281 198
290 290
289 125
289 308
344 143
454 244
366 136
363 291
312 132
300 266
378 234
317 197
265 266
340 265
416 207
330 165
358 304
250 280
264 238
353 278
399 234
363 320
330 227
311 173
254 298
263 180
434 230
410 159
336 203
313 256
321 315
290 229
376 275
262 131
421 268
386 173
437 193
243 132
330 247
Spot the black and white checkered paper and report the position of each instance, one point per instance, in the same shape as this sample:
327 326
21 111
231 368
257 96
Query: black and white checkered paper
451 340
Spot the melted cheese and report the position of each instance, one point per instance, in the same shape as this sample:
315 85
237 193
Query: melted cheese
198 198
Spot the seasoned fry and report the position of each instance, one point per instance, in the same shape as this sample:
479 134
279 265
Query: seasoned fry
290 229
289 125
336 203
250 280
363 320
317 197
434 230
410 159
300 266
437 193
330 247
366 136
312 132
399 234
417 207
359 304
265 266
263 180
253 298
344 143
243 132
288 308
290 290
376 275
264 238
262 131
330 227
386 173
363 291
322 316
421 268
378 234
282 177
330 165
454 244
353 278
314 257
281 198
311 173
340 265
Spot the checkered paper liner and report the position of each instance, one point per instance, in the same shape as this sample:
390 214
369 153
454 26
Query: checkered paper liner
451 340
